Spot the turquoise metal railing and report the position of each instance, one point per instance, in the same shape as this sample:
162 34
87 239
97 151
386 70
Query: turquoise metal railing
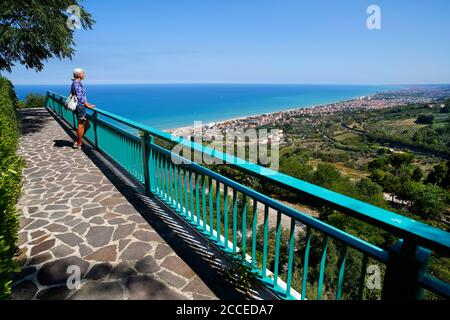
227 213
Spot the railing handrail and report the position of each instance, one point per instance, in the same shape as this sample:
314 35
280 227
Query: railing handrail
418 232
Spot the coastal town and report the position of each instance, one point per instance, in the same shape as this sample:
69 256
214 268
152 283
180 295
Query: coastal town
378 101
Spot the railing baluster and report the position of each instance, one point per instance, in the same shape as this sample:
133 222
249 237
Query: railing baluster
164 176
218 226
244 226
191 193
130 146
160 176
137 162
211 207
254 229
172 183
166 180
135 159
277 249
362 278
127 161
225 215
197 197
204 201
180 188
305 262
290 257
266 240
342 259
186 199
235 203
151 165
145 159
170 180
95 120
158 172
176 185
322 266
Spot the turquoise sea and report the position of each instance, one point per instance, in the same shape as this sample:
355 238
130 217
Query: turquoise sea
166 106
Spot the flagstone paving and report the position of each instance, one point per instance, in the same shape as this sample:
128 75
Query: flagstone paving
123 244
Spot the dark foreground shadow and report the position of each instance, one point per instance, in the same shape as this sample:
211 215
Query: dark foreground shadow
203 258
63 143
32 120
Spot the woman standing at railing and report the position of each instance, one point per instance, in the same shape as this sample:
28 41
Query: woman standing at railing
78 90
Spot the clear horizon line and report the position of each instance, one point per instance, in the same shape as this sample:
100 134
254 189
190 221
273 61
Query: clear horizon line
239 83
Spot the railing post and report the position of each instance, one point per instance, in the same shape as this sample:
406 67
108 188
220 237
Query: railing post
145 141
46 100
94 120
192 158
407 265
152 166
60 107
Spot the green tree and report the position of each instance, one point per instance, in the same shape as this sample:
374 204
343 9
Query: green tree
391 184
438 175
32 101
31 32
428 201
378 164
427 136
370 189
296 169
399 159
446 183
425 119
417 174
326 175
378 176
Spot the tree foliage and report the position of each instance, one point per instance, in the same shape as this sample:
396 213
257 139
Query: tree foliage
31 32
425 119
440 175
32 100
427 201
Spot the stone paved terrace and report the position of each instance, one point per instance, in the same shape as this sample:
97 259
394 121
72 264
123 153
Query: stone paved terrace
78 209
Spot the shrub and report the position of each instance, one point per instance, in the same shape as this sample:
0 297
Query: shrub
428 201
32 100
425 119
10 183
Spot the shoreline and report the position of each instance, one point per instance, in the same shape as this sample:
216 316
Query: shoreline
377 100
310 109
293 109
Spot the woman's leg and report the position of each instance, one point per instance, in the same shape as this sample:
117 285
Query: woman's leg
80 132
86 126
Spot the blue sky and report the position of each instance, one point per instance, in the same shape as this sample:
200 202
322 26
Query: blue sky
257 41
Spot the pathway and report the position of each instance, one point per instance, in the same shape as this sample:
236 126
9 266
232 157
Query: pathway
77 210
